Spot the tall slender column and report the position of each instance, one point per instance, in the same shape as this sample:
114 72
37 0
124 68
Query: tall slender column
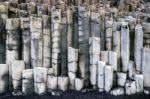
36 41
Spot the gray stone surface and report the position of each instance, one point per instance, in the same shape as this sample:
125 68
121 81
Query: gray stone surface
121 79
113 59
72 77
93 74
145 67
72 54
130 87
4 72
108 77
52 82
94 45
117 46
40 74
104 56
125 46
117 91
100 75
132 70
79 84
40 88
139 83
63 83
138 45
17 73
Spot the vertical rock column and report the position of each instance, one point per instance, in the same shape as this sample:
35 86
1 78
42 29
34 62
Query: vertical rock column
83 33
100 75
12 44
94 51
125 44
46 41
146 34
70 27
56 37
26 42
117 42
108 72
4 74
63 43
138 45
40 79
36 42
72 66
17 67
108 33
27 82
3 17
145 67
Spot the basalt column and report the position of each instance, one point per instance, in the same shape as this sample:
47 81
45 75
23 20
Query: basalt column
12 44
108 33
3 17
63 43
146 34
125 46
46 41
83 23
94 51
138 45
36 41
56 37
26 42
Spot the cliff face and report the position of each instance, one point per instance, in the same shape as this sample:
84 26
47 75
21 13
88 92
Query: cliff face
48 45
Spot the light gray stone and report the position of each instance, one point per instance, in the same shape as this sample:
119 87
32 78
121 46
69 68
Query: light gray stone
72 67
145 67
94 58
63 83
17 73
108 78
16 84
40 88
52 82
132 70
4 74
125 46
27 74
72 54
50 71
121 79
40 74
117 91
100 75
112 59
104 56
79 84
26 39
146 26
95 24
94 45
139 83
138 45
72 77
146 91
117 46
93 75
27 86
130 87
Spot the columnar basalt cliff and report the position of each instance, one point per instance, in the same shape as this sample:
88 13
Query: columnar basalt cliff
56 45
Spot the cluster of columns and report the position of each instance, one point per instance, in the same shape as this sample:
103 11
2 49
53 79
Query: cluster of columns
46 46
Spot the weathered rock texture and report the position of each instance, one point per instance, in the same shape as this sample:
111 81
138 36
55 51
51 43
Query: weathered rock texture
51 45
